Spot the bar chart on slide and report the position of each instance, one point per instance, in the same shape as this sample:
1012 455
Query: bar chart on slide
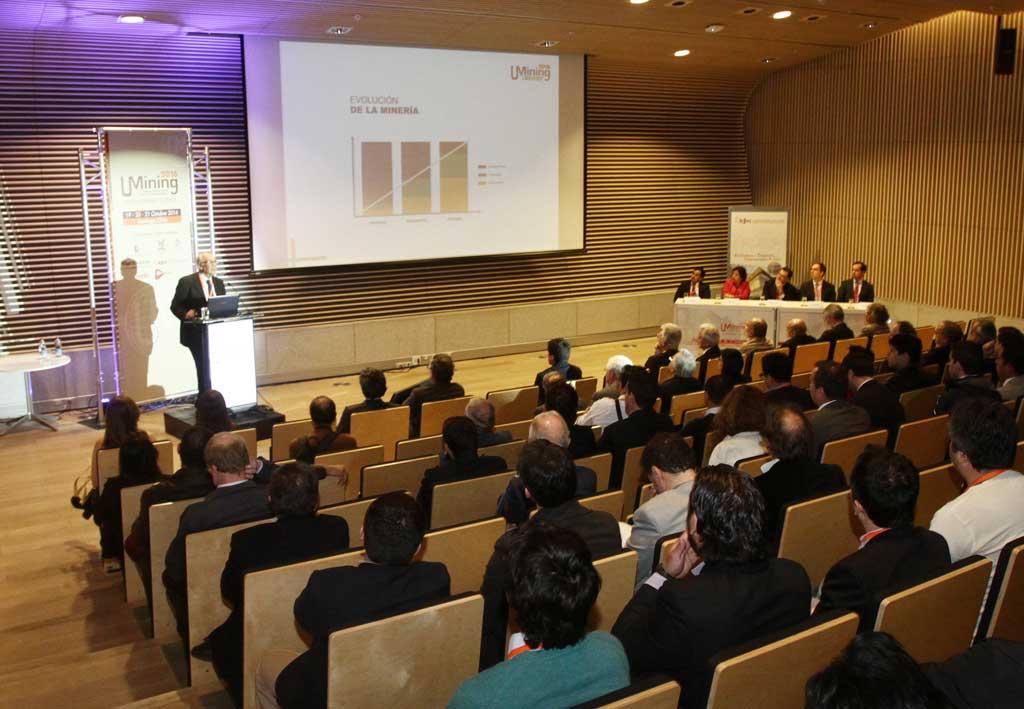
392 178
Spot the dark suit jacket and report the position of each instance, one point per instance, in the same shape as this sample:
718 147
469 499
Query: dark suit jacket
322 440
828 291
673 386
893 560
790 291
867 292
286 541
908 379
840 332
792 395
794 342
678 628
790 481
936 355
599 530
454 470
977 387
634 430
882 406
107 513
989 674
698 428
189 296
658 360
570 371
581 441
839 419
351 595
345 424
429 391
703 290
515 507
710 353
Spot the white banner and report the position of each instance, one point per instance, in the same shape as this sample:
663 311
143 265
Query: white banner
730 316
758 238
149 183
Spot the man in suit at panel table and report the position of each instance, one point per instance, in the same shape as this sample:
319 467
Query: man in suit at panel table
835 327
856 289
438 388
836 417
695 287
780 288
882 405
678 620
374 384
559 350
893 553
190 297
904 358
777 371
817 289
640 424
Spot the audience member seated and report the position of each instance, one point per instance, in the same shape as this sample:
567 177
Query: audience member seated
947 334
835 327
902 327
715 390
732 366
817 288
671 467
836 418
324 438
987 514
736 285
389 582
137 465
856 289
679 619
882 405
683 381
374 385
563 400
876 320
551 379
989 674
481 413
779 390
608 406
983 332
796 334
966 378
1010 363
549 476
192 480
559 350
236 499
640 424
122 423
298 534
794 473
665 348
438 388
904 359
694 286
212 412
780 288
707 341
554 662
755 330
549 426
893 554
739 422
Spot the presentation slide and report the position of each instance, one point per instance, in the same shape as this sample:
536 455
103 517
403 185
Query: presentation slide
364 154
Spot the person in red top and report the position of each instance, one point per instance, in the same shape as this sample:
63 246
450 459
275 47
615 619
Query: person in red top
736 285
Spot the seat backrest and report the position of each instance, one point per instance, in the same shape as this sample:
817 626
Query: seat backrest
519 429
384 427
251 441
108 463
694 414
925 442
632 479
585 389
806 356
935 620
415 673
711 439
434 413
1018 459
752 465
880 345
773 676
131 503
467 500
354 461
920 403
713 368
465 550
884 377
398 475
662 548
818 533
755 361
513 404
418 447
646 493
618 579
664 695
801 381
282 435
601 464
665 373
1006 620
163 527
1020 422
682 403
509 452
937 487
842 347
845 451
610 502
927 335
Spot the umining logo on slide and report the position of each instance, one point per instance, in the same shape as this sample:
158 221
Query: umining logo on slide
149 185
541 72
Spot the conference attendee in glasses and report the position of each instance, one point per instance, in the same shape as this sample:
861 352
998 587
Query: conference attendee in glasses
695 287
781 288
190 297
736 285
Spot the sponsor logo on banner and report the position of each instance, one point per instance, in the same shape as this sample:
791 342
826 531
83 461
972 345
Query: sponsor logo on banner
541 72
731 333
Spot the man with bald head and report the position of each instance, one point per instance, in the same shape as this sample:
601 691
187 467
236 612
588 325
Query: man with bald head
481 413
190 297
796 334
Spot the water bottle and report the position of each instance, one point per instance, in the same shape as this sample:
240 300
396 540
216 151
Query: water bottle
58 348
42 349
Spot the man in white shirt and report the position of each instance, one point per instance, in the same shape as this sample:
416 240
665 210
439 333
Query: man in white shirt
609 405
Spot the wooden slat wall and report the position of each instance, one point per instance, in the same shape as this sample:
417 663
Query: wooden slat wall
665 158
908 153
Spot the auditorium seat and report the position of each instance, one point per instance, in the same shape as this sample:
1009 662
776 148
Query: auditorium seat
806 356
509 452
108 462
646 493
818 533
752 465
753 369
632 480
251 441
465 549
398 475
925 442
585 389
711 439
651 692
163 527
927 336
935 620
693 415
433 414
467 500
937 487
131 503
418 447
713 369
514 404
920 403
618 579
662 548
801 381
354 461
610 502
282 435
845 451
1004 613
1018 458
682 403
879 346
842 347
601 464
519 429
666 373
384 427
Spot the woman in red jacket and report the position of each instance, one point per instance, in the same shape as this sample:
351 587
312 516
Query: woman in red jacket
736 285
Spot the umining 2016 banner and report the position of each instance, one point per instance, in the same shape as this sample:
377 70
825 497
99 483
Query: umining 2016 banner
149 188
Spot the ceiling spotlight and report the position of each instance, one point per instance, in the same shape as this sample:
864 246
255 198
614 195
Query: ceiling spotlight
546 43
681 53
131 19
713 28
870 25
768 60
338 30
782 14
637 2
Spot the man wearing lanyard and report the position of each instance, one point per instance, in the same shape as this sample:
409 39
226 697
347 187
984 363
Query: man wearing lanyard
190 297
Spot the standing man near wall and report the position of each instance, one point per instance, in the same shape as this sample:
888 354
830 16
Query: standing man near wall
190 297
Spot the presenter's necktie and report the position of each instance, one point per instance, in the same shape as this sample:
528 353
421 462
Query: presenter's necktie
693 289
856 292
209 288
817 292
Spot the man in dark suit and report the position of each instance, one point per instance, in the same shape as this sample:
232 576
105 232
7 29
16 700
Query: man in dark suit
856 289
894 554
695 287
678 620
190 297
904 359
967 378
559 350
881 404
438 388
683 380
947 334
669 337
461 461
716 388
836 418
835 328
796 333
236 499
298 534
777 371
481 413
780 288
817 288
640 424
563 399
374 385
549 476
707 341
793 473
389 582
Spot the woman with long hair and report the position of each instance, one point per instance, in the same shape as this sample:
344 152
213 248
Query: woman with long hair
122 423
212 413
739 423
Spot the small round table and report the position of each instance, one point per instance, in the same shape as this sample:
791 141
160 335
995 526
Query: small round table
26 364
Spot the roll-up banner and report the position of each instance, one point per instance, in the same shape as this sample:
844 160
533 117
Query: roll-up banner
150 227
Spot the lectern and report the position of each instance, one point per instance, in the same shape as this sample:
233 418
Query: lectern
230 356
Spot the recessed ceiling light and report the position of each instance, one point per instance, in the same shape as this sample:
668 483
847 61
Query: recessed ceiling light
713 28
131 19
870 25
681 53
637 2
547 43
782 14
768 60
338 30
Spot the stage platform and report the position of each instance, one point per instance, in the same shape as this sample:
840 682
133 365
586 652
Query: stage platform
178 418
